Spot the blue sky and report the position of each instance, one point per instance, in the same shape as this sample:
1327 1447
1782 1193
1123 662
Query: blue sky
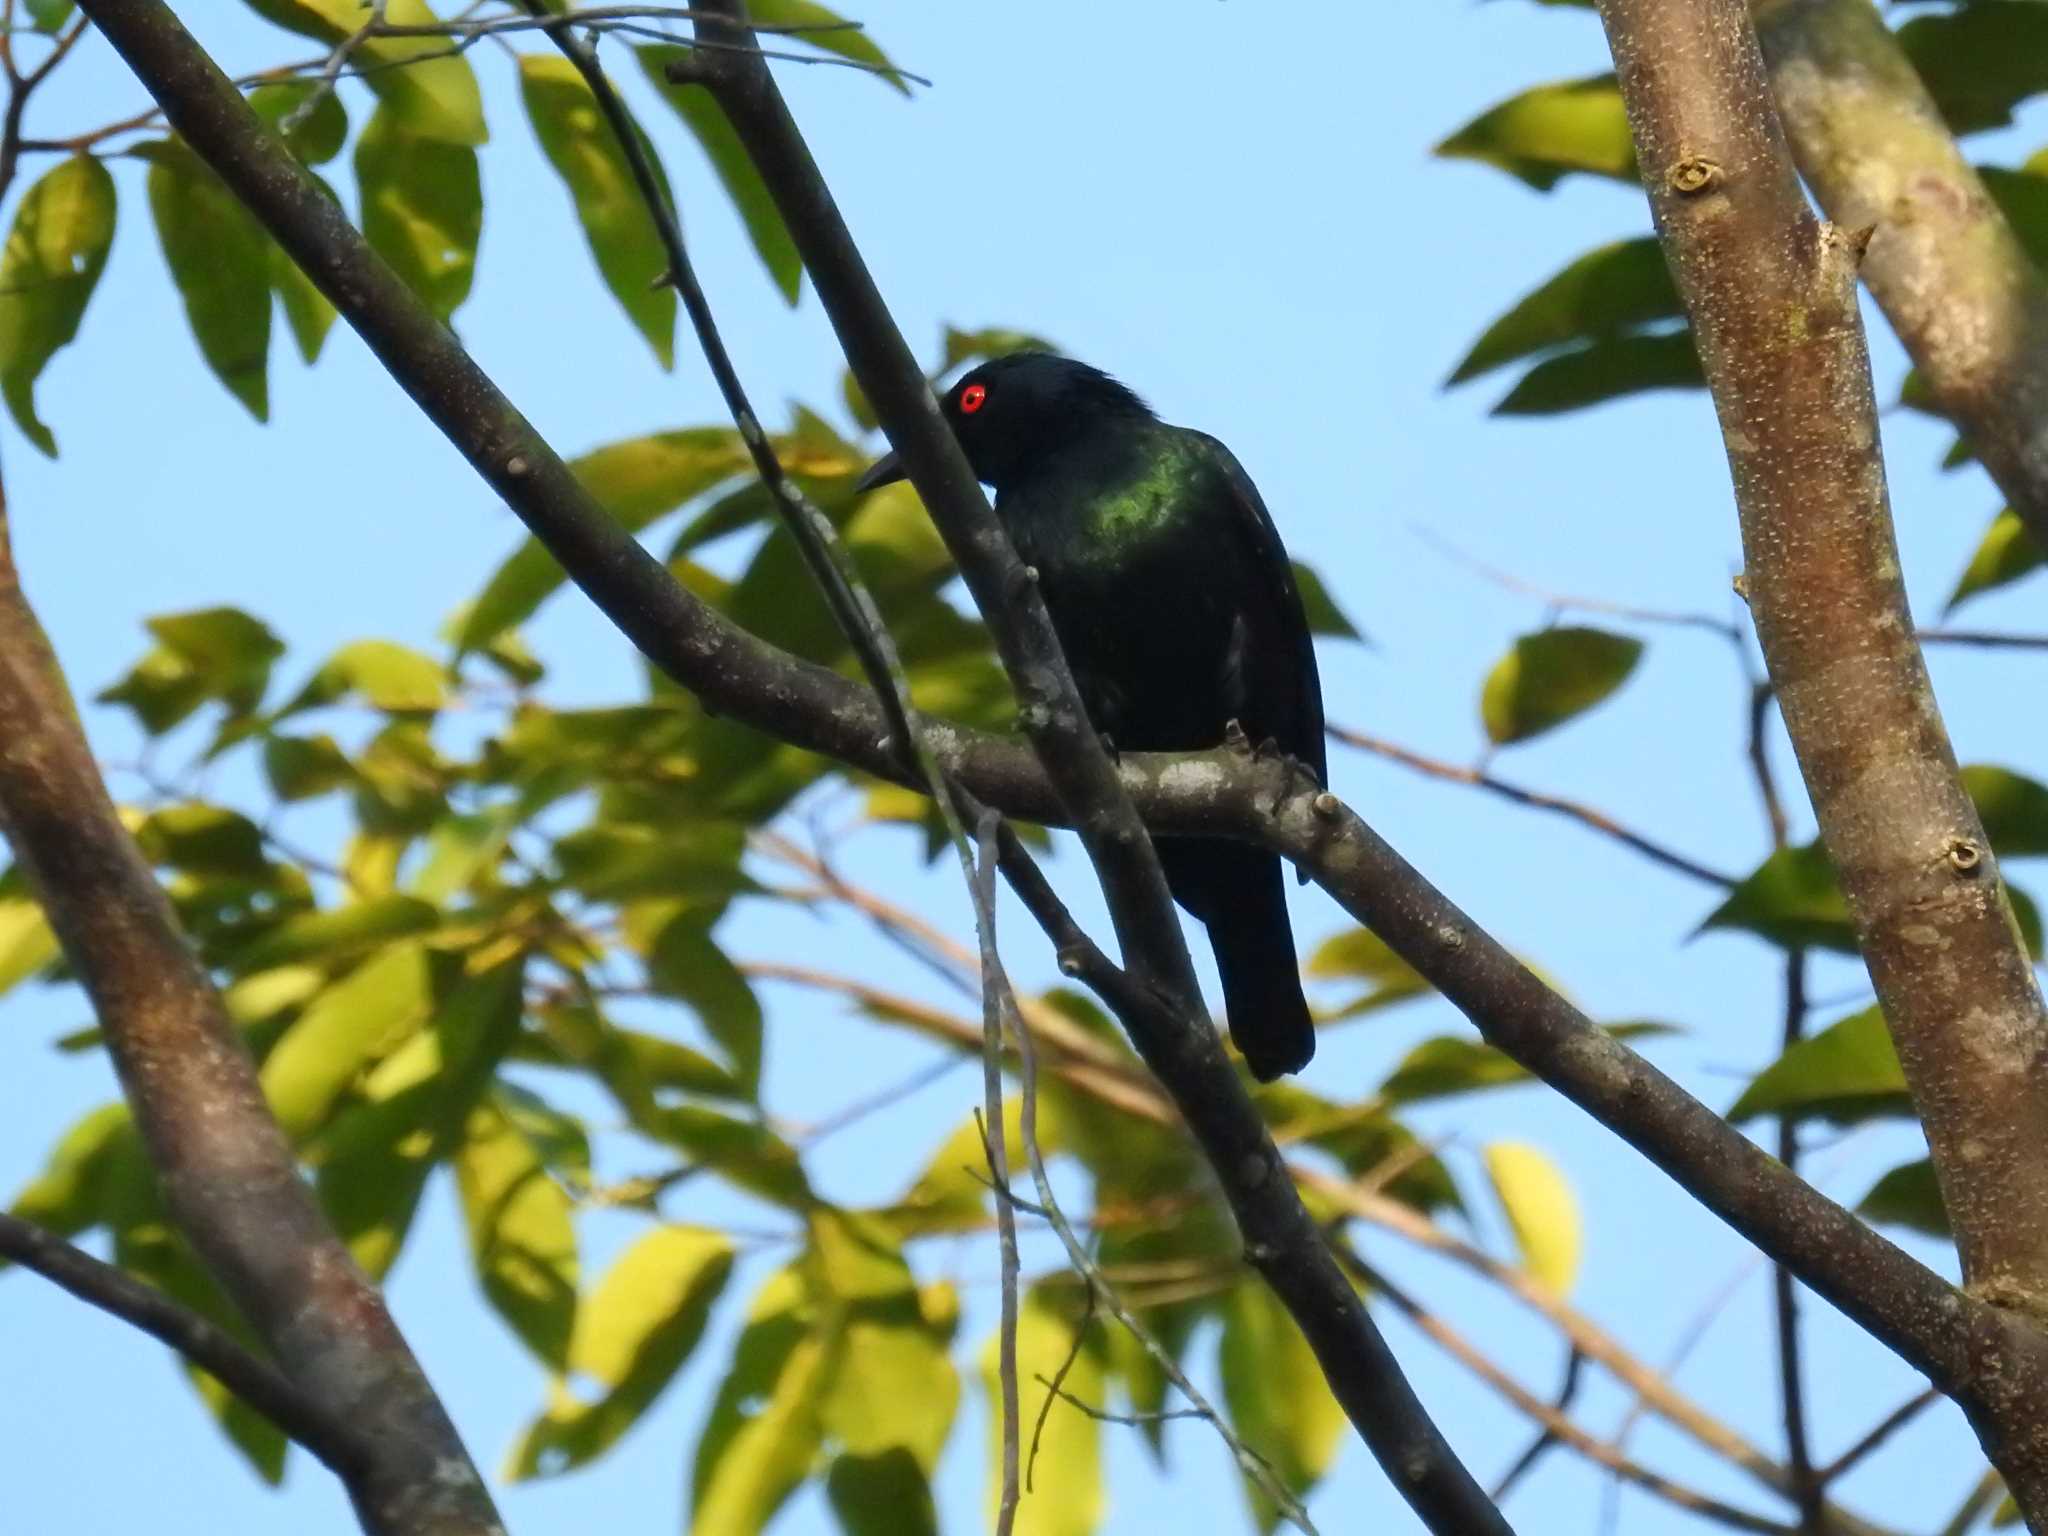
1245 223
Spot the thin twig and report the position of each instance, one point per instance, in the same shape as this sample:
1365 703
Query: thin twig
1807 1490
1586 815
1973 1508
1882 1431
1568 1389
257 1382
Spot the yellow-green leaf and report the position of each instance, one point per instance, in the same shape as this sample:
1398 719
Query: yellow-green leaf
318 130
423 208
1847 1073
384 674
355 1022
2006 553
219 258
1552 676
1541 1210
733 166
1551 131
580 145
763 1433
26 942
632 1334
339 931
520 1234
2014 809
69 1195
1908 1196
431 91
51 263
637 481
1277 1397
826 29
1067 1497
1357 954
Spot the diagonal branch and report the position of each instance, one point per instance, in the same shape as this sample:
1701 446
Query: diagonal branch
1943 264
226 1170
1772 299
119 1294
1220 793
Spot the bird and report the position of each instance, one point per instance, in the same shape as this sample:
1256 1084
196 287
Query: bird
1177 608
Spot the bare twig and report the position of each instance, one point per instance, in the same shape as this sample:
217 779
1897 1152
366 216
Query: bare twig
1568 1389
1807 1489
1586 815
1880 1432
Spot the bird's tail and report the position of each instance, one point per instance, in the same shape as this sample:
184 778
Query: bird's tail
1240 895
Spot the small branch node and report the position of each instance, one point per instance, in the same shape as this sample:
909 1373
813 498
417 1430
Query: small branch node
1964 856
1693 175
1327 806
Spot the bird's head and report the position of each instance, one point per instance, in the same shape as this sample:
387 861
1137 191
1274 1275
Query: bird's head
1013 414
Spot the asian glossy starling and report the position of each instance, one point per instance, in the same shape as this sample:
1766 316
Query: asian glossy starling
1177 609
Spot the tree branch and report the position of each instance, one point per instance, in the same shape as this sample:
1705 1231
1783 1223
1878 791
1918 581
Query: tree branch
119 1294
1219 793
1771 296
227 1173
1943 264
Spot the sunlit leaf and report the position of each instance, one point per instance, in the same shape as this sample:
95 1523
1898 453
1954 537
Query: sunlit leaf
826 29
632 1334
763 1431
1552 676
1277 1397
1551 131
27 943
637 481
429 90
49 15
358 1020
1357 954
2006 553
1541 1211
51 263
733 166
580 145
1849 1072
1606 292
521 1237
423 208
69 1195
1070 1502
382 673
219 258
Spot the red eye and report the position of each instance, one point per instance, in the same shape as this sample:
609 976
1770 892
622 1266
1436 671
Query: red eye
971 398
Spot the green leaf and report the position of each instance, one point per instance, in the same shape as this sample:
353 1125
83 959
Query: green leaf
1551 677
1541 1211
26 942
2014 810
1277 1397
1358 954
746 1153
520 1234
207 654
831 34
1848 1073
317 138
733 166
637 481
1551 131
1069 1502
632 1334
1604 293
1791 899
763 1432
885 1494
1605 369
1323 614
1908 1196
356 1022
219 258
306 309
2022 196
304 767
580 146
2006 553
48 270
71 1192
685 963
382 673
205 840
49 15
1446 1065
423 208
893 1383
339 932
1980 61
427 89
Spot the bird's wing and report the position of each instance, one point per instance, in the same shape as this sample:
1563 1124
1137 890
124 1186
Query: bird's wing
1300 711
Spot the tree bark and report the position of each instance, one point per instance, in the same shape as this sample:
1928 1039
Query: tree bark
1771 295
1943 263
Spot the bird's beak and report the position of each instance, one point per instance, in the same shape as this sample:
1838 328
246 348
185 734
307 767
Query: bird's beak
886 470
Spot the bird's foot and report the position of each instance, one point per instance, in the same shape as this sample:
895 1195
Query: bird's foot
1109 747
1235 738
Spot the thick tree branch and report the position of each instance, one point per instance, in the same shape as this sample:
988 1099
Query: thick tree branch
1771 296
228 1175
1943 264
1934 1327
119 1294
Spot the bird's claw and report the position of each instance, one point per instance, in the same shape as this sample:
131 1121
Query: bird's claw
1235 738
1109 748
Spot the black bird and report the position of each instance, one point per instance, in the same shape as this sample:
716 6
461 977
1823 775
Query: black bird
1176 606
